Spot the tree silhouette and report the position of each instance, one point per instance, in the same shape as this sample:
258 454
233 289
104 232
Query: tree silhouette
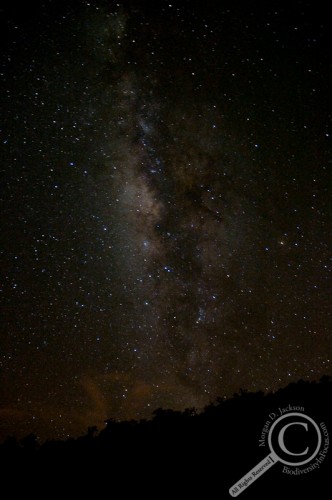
212 448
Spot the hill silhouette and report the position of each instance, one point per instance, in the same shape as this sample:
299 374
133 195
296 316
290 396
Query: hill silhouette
176 452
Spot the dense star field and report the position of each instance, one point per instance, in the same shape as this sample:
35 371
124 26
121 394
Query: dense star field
165 206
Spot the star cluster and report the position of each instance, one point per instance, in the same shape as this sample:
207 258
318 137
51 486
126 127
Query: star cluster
164 207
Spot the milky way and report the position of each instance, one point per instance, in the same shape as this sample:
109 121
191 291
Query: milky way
165 207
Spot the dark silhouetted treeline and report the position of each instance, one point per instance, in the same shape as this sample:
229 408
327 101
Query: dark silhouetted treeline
186 453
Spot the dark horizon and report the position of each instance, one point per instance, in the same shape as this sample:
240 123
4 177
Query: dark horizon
212 449
303 394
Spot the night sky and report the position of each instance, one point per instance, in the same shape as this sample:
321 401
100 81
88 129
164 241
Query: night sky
165 212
